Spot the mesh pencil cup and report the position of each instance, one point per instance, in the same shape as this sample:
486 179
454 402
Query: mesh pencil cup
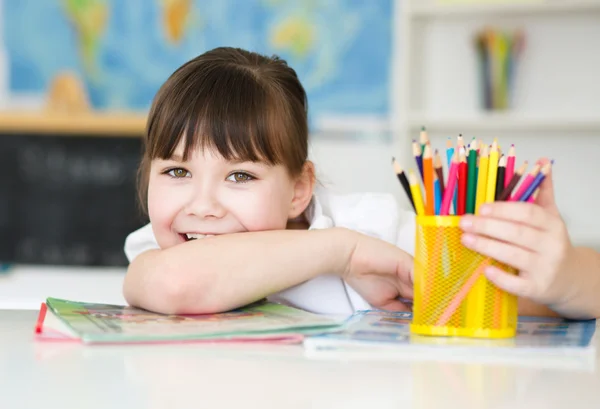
452 297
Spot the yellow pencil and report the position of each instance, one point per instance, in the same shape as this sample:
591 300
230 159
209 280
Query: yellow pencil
492 173
482 177
415 190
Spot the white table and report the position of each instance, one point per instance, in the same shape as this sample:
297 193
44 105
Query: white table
53 375
27 286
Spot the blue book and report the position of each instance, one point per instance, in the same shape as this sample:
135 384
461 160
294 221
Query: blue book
382 335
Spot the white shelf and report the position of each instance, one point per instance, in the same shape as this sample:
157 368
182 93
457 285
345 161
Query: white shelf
420 10
504 122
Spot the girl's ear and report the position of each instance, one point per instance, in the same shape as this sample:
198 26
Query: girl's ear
303 190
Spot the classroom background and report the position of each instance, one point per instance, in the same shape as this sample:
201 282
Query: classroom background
77 78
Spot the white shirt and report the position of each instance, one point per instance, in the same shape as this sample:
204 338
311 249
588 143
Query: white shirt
373 214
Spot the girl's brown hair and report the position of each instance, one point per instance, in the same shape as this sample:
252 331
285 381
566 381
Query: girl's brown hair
244 105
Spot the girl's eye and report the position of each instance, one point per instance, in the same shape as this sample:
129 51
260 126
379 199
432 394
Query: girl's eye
240 177
178 173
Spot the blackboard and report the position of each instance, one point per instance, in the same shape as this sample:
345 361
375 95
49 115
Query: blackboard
67 200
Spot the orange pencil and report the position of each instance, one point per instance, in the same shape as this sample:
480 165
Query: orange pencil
428 181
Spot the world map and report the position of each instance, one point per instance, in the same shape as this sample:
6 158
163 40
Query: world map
124 50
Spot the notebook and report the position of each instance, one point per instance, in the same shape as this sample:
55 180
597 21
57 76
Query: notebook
382 335
64 320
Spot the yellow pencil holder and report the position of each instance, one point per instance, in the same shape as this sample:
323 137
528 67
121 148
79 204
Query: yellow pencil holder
452 296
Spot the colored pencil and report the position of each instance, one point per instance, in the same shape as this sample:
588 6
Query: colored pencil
533 197
526 182
418 157
428 181
449 152
415 189
482 178
437 194
460 143
472 177
501 176
439 169
450 186
403 181
462 183
462 293
513 182
536 182
490 195
510 166
423 139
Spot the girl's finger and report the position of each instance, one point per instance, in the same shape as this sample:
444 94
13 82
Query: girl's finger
519 234
518 212
514 256
511 283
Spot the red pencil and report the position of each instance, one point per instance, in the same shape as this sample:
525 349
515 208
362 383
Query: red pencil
462 183
510 166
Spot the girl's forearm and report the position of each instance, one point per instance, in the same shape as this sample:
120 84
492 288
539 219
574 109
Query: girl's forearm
584 302
225 272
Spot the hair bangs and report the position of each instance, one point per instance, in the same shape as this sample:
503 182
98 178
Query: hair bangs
232 123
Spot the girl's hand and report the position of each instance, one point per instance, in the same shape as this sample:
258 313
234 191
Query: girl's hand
529 237
380 272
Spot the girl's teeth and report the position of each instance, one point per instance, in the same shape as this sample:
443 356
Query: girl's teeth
194 236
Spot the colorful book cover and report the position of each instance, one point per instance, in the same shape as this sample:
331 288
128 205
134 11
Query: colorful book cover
374 334
103 323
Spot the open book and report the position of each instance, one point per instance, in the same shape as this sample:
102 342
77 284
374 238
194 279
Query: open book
102 323
540 341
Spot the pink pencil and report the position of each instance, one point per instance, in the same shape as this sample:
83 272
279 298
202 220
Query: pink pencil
462 293
450 186
510 165
528 180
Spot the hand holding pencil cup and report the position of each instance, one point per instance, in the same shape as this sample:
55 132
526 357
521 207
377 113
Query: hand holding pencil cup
452 296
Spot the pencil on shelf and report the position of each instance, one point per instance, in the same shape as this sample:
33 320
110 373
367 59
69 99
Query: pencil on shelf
535 184
501 176
514 180
526 182
471 177
510 166
403 181
482 178
415 189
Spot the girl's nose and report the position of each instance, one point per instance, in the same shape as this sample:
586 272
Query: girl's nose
205 205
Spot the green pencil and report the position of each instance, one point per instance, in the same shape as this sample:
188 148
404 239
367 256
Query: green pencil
471 178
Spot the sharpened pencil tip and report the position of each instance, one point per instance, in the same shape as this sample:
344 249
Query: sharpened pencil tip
423 128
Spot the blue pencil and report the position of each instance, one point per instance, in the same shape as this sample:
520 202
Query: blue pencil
449 152
418 157
437 190
536 182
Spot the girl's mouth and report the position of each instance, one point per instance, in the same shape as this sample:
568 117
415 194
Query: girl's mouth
195 236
